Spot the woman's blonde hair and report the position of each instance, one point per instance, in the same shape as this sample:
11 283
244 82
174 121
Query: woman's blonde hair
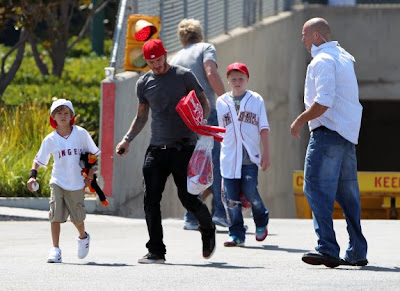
189 31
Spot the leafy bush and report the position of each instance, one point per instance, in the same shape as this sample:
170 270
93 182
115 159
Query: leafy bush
24 119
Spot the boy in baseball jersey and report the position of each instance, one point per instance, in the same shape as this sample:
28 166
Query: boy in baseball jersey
66 144
242 113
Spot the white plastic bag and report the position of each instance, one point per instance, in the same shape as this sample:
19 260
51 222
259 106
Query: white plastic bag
200 168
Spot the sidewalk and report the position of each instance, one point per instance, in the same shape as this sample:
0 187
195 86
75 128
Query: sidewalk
118 242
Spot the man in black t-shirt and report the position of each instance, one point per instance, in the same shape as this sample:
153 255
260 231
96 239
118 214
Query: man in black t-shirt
171 145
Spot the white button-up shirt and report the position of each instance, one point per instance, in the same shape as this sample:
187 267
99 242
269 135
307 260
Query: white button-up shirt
331 82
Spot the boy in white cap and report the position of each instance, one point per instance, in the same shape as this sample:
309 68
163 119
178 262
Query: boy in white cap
242 113
66 144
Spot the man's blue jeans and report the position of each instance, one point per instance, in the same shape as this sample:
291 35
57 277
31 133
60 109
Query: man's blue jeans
218 207
330 173
248 186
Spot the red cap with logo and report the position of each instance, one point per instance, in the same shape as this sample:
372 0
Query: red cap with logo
153 49
238 67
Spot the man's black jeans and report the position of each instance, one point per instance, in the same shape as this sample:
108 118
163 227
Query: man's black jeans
159 163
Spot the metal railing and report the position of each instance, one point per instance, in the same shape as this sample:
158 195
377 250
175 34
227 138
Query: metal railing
216 16
352 2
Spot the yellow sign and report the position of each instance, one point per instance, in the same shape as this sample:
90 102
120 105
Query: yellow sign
375 182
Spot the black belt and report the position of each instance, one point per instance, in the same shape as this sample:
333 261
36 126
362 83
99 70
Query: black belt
176 145
163 147
320 128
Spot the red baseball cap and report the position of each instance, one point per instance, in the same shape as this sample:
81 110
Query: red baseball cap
238 67
153 49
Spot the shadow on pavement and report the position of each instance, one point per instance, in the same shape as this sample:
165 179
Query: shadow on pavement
247 232
276 248
373 268
21 218
99 264
221 265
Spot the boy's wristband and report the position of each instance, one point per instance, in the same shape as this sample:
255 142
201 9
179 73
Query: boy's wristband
33 174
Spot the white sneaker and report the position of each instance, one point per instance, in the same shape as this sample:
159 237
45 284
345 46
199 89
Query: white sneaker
221 221
83 246
54 255
190 225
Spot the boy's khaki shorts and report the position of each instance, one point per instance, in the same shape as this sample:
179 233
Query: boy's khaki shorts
65 203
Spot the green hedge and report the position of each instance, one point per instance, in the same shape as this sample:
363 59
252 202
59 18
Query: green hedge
24 119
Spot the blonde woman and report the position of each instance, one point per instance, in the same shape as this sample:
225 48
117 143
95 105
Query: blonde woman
201 58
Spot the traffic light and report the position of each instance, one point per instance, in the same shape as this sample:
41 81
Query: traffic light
140 29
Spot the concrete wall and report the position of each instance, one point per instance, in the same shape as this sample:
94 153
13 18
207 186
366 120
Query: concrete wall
276 59
371 34
277 62
127 180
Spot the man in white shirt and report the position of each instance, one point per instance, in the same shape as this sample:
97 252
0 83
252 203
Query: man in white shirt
333 113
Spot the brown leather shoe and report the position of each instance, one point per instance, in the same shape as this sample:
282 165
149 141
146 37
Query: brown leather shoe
360 263
316 258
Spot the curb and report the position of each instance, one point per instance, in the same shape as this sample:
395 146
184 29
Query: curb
41 203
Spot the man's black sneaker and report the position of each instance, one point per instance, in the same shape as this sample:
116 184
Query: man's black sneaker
152 258
316 258
360 263
208 238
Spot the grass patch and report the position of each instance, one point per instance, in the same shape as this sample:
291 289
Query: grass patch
22 130
24 118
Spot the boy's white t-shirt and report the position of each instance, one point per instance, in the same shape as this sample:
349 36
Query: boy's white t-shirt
66 155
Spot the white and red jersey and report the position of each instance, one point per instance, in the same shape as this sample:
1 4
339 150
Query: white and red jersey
242 129
66 153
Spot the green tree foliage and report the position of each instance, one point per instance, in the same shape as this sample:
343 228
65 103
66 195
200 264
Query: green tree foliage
46 26
24 119
54 31
25 16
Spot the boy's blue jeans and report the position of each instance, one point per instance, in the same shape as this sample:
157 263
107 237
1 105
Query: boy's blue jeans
248 186
218 207
330 173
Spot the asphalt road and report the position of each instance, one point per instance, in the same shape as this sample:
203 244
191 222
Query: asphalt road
117 243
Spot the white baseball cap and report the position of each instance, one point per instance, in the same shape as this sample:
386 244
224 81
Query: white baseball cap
60 102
